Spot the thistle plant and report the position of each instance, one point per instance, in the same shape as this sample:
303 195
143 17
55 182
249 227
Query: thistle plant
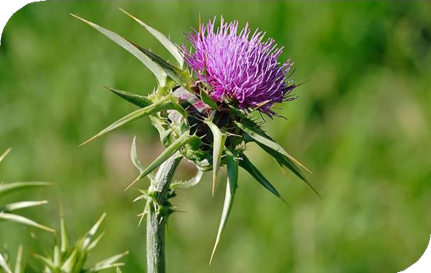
64 258
72 258
8 211
204 110
8 214
6 265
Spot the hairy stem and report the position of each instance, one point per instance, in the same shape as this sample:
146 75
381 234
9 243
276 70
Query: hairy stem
158 212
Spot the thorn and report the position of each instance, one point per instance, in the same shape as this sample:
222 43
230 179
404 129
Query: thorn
214 182
5 154
212 254
133 17
282 199
88 141
79 18
133 183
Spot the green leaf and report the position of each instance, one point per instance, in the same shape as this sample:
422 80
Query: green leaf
95 242
138 100
284 161
167 153
231 186
90 234
108 263
134 157
63 234
57 256
260 137
22 220
189 183
11 187
165 41
207 99
18 260
157 71
70 262
114 265
4 264
246 164
22 205
3 156
174 73
162 105
118 270
219 141
47 262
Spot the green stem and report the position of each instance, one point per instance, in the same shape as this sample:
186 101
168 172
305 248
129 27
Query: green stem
158 212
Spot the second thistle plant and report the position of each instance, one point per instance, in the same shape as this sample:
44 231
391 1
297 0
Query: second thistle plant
72 258
203 109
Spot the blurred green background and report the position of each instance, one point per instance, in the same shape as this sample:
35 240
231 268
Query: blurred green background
361 123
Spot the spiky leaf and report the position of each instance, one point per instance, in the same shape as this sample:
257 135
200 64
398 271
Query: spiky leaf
218 145
246 164
162 105
3 156
95 242
167 153
189 183
134 157
165 41
174 73
47 262
284 161
23 220
131 48
86 240
11 187
69 263
64 238
260 137
22 205
18 259
231 186
4 265
108 263
138 100
207 99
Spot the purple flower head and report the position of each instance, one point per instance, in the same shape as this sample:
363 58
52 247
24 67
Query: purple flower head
238 68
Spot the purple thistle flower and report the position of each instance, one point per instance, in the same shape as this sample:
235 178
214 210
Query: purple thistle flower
239 68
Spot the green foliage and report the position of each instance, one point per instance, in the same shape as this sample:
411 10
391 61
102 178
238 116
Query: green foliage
72 258
170 151
7 211
130 47
219 140
246 164
6 265
162 105
165 41
138 100
231 186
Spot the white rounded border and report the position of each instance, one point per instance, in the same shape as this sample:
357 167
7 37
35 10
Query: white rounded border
423 265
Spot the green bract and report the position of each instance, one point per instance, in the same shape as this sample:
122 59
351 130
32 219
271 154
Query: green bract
193 126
